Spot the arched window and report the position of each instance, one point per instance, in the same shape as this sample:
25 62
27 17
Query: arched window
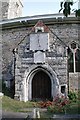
70 60
73 57
77 60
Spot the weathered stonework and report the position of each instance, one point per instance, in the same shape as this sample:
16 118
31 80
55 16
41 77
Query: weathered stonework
11 9
74 81
56 59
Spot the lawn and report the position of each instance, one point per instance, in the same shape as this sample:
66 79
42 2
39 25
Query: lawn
58 106
73 107
9 104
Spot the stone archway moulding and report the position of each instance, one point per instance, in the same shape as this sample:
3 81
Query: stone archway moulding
28 76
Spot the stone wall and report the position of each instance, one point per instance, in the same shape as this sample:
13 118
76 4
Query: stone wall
8 11
25 60
11 37
74 82
4 9
17 12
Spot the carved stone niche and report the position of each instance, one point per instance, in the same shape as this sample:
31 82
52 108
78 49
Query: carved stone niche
39 57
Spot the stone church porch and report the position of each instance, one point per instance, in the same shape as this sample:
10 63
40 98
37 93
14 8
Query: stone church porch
40 83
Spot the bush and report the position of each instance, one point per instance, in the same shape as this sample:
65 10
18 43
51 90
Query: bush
44 104
72 96
60 105
79 95
77 13
54 109
6 91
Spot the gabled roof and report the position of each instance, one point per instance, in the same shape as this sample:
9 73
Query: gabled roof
40 23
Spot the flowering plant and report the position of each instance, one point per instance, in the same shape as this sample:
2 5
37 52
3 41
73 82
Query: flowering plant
58 105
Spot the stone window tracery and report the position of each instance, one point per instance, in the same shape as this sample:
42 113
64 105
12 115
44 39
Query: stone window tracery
74 57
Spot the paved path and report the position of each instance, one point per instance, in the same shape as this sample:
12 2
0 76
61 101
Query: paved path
13 114
23 116
62 117
8 114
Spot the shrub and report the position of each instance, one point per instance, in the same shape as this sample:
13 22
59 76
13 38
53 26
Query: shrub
59 105
7 91
54 109
44 104
72 96
79 95
64 105
77 13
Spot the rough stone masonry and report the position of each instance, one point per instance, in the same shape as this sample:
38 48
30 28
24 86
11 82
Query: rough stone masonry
47 56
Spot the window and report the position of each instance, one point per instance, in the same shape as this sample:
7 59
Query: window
70 61
39 29
63 89
73 45
73 58
77 60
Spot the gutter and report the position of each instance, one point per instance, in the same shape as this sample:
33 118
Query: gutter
36 17
48 19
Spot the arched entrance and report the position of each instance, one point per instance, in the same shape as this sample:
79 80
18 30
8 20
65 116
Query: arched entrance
41 86
44 78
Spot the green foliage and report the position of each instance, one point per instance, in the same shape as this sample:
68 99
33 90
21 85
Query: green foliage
67 8
57 106
65 105
54 109
77 13
0 85
6 91
60 105
9 104
79 94
72 96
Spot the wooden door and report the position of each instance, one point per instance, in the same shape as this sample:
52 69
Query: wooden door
41 86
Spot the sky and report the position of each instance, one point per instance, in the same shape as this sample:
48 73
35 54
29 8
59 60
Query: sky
40 7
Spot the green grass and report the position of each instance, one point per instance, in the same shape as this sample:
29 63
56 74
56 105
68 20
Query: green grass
9 104
74 108
46 114
0 102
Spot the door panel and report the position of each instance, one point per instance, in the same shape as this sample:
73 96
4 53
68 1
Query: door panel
41 86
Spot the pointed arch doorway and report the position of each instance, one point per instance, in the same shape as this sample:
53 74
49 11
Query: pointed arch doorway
41 86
